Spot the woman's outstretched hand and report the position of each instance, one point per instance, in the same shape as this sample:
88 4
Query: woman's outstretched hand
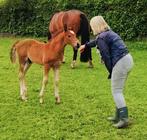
81 49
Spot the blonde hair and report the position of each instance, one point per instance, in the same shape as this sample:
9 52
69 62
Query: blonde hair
98 25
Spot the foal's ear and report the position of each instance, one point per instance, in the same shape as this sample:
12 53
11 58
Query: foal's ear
65 27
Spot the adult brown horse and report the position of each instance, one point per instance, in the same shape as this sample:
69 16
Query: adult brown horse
76 21
48 54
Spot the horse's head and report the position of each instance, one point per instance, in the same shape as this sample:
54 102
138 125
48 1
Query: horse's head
70 38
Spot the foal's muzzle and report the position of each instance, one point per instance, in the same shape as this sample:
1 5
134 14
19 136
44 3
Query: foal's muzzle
77 46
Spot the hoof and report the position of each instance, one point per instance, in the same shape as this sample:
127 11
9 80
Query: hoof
57 100
90 66
41 101
63 62
23 98
73 64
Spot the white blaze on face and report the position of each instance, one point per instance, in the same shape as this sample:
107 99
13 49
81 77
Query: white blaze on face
72 32
74 41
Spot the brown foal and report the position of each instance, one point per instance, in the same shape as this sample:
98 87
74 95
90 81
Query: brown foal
48 54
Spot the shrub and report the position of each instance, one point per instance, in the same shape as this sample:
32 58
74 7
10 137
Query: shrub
31 17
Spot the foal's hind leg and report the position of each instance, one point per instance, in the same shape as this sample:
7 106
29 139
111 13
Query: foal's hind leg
26 67
21 81
44 82
56 85
22 71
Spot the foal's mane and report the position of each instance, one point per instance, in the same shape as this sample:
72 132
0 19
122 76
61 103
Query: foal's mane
56 35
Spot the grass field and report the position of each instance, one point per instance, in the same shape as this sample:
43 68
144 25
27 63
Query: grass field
86 101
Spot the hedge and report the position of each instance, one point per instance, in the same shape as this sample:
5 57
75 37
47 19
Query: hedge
31 17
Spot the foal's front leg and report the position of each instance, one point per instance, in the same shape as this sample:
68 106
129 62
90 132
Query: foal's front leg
44 82
56 85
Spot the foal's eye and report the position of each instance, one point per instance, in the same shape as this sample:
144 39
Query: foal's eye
69 36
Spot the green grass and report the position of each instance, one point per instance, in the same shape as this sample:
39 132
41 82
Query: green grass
86 100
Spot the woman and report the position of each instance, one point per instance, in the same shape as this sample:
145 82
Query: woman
118 62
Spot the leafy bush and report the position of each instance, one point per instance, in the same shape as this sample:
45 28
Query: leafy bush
31 17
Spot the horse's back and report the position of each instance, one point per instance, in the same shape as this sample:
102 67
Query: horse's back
74 20
28 43
24 47
56 24
71 18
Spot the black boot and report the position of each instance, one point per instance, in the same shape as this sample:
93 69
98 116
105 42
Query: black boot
123 118
114 118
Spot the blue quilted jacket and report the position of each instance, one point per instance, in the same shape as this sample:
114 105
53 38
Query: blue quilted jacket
111 47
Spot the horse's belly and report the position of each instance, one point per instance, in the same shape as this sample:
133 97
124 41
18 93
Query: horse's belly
35 60
35 55
54 64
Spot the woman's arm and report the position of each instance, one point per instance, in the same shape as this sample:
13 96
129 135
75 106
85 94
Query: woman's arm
91 44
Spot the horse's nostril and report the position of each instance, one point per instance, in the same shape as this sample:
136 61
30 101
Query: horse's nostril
78 45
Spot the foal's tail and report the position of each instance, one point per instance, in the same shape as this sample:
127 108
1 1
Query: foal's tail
13 52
